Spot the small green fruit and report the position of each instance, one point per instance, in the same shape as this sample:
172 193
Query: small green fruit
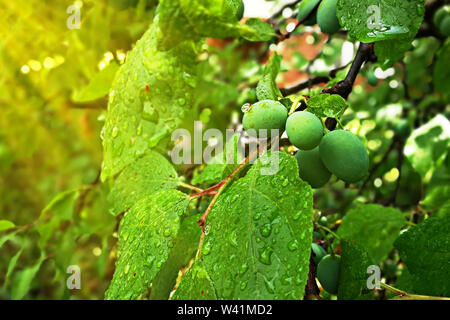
304 9
445 27
265 114
344 155
311 168
328 273
304 130
240 10
319 253
439 15
327 18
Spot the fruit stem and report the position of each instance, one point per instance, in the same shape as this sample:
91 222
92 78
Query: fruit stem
190 187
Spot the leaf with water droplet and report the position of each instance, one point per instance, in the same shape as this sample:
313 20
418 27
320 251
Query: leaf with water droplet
262 261
147 116
148 175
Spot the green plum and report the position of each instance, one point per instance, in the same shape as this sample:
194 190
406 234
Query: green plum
304 130
372 79
304 9
319 252
344 155
327 18
445 26
265 114
328 273
311 168
440 14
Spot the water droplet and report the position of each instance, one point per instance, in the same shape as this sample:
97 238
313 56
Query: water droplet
127 269
293 245
265 255
115 132
207 229
233 239
266 230
206 248
243 269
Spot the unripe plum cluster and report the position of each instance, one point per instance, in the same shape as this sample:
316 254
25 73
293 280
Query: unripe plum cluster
339 152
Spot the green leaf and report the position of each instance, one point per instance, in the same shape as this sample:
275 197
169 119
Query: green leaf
441 72
267 88
259 235
327 105
374 227
183 251
147 175
353 275
150 95
425 249
428 145
60 208
146 236
21 283
397 19
390 51
196 285
99 85
6 225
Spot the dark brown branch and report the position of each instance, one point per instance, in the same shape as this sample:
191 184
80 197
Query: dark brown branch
364 54
310 82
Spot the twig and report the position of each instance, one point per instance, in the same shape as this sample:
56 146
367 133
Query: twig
311 285
311 81
364 54
190 187
403 295
222 185
288 35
